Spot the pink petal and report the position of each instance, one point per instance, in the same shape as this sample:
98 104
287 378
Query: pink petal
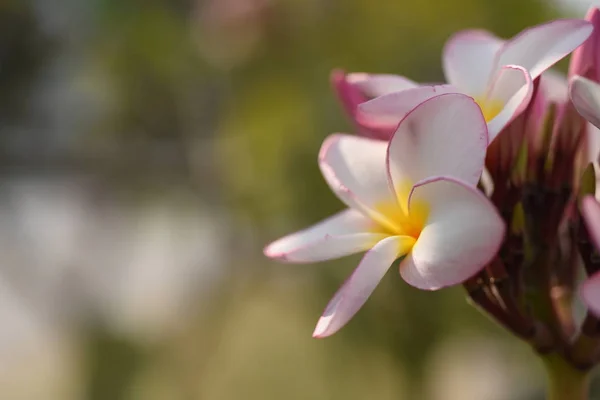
585 95
593 144
513 88
355 169
462 234
388 110
375 85
445 135
590 209
468 60
538 48
343 234
349 95
584 60
359 286
555 87
590 293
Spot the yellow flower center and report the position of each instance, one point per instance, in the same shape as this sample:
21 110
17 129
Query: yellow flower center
490 108
397 220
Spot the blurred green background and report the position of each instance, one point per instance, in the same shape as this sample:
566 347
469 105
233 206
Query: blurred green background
151 148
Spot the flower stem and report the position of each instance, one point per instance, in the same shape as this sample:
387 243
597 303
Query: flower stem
565 382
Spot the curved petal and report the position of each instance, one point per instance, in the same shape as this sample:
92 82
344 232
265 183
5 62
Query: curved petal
375 85
343 234
512 88
355 169
349 95
468 59
585 95
555 87
590 209
538 48
590 293
584 60
359 286
445 135
463 232
388 110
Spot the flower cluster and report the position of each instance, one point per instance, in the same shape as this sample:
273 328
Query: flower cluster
487 181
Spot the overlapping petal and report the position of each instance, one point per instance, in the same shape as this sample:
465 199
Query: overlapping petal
359 286
468 59
375 85
355 169
445 135
340 235
388 110
585 95
511 90
463 232
538 48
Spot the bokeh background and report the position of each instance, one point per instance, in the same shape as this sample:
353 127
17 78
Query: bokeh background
149 149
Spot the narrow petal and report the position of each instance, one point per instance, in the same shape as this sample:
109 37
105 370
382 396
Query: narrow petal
388 110
590 209
349 95
584 60
590 293
463 233
340 235
359 286
355 169
445 135
468 59
585 95
375 85
511 90
555 87
538 48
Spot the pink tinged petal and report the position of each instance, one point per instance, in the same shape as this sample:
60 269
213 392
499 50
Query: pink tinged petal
355 169
555 87
538 48
375 85
585 59
462 234
445 135
513 88
468 60
590 209
593 145
349 95
590 293
388 110
585 95
359 286
340 235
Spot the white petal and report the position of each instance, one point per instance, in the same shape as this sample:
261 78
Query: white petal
340 235
538 48
354 167
468 60
512 87
359 286
463 233
388 110
585 95
445 135
375 85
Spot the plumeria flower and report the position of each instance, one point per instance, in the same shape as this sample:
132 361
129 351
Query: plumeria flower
590 291
497 73
412 198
